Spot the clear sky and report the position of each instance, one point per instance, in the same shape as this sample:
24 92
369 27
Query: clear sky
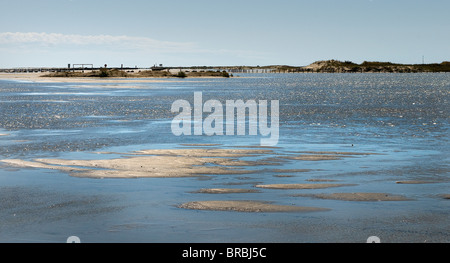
211 32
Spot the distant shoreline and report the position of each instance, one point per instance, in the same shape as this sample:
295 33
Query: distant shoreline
325 66
336 66
38 77
86 78
148 75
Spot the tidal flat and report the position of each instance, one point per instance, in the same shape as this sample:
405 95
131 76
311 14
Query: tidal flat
359 155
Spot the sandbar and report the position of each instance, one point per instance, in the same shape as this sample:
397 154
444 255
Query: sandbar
323 156
290 170
312 157
357 196
337 153
240 183
301 186
200 144
35 164
247 206
445 196
321 180
203 152
226 191
152 164
414 182
257 146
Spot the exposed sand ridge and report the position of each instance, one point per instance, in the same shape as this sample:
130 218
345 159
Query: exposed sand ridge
209 161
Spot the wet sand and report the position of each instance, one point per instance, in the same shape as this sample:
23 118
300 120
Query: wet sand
290 170
284 175
158 164
321 180
301 186
247 206
336 153
306 157
200 144
191 162
357 196
34 164
210 161
226 191
171 163
414 182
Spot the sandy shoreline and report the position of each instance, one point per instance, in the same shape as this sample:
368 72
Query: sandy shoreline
38 77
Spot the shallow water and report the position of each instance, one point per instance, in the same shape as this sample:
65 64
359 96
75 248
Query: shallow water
404 118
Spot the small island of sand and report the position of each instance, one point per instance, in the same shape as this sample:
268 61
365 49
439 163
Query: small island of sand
247 206
368 197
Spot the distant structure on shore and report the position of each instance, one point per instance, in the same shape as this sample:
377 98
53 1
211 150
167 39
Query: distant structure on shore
157 67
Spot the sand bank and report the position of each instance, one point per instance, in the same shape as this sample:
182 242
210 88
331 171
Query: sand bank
321 180
247 206
323 155
200 144
337 153
357 196
414 182
290 170
301 186
313 157
226 191
204 152
283 175
241 183
36 164
153 163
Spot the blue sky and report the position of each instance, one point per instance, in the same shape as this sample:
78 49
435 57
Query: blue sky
210 32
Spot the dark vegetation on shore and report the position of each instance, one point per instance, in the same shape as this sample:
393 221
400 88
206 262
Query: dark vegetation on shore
116 73
327 66
336 66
